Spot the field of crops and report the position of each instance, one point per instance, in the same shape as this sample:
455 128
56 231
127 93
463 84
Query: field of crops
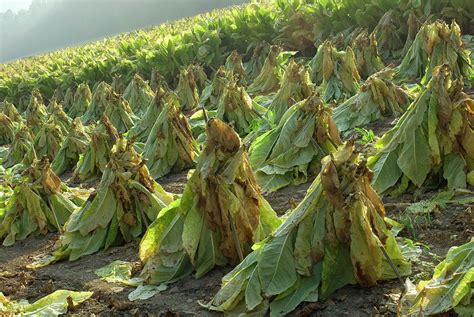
284 157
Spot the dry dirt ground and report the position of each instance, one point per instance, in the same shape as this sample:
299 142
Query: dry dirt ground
450 227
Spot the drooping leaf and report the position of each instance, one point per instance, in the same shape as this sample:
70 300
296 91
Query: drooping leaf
334 72
38 204
428 139
219 216
289 152
378 97
124 203
341 220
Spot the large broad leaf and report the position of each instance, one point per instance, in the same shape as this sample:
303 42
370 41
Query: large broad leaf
262 147
366 255
84 245
176 266
157 230
95 214
253 291
415 157
276 266
271 183
303 260
209 254
162 248
294 156
232 288
386 171
286 302
337 269
406 125
453 170
193 226
268 220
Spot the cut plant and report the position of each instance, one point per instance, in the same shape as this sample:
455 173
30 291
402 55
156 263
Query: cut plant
432 142
93 160
335 72
378 98
295 86
236 107
81 101
125 202
366 54
435 44
138 94
170 146
336 236
286 154
39 204
75 143
219 217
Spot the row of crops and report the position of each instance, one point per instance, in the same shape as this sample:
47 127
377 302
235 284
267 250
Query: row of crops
249 100
208 39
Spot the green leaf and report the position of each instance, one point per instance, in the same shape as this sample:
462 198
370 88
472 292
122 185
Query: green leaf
261 148
286 302
162 248
209 254
253 291
53 304
415 157
84 245
337 269
454 170
88 217
157 230
386 171
271 183
276 267
366 255
193 226
144 292
465 310
118 272
232 288
303 260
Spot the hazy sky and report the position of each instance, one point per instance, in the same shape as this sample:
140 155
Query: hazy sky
14 5
38 26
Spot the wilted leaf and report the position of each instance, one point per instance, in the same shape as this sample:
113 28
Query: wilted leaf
144 292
